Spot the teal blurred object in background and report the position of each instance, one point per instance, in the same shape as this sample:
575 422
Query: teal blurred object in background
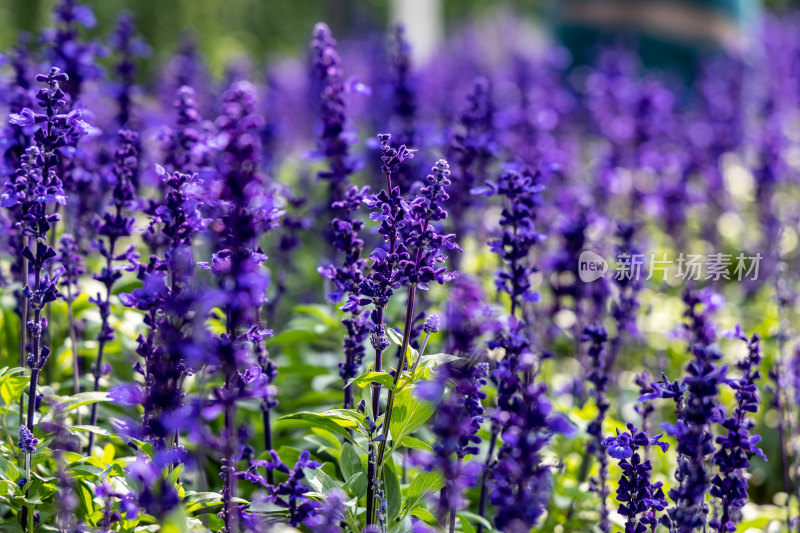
666 33
225 29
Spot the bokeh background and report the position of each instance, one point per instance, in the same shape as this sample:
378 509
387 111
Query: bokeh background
264 29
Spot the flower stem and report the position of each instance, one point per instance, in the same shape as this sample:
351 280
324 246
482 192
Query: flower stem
387 417
485 475
23 325
376 387
101 344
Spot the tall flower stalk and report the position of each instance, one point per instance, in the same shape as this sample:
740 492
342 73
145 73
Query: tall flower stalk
415 257
114 225
35 188
697 407
520 192
246 208
347 278
597 337
737 446
640 499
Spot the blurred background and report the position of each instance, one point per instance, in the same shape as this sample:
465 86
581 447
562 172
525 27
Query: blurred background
225 29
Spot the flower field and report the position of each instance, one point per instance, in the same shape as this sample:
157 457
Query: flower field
350 291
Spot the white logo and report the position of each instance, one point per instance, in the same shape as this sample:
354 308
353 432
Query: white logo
591 266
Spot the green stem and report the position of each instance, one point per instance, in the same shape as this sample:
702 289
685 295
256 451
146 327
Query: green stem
387 417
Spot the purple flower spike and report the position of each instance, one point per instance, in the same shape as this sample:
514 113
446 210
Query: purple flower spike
640 499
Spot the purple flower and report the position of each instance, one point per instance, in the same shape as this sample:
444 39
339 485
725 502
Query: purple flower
472 147
520 482
185 146
403 102
114 225
697 407
640 499
737 446
68 51
289 494
26 441
334 139
520 191
455 425
598 377
73 263
331 515
347 278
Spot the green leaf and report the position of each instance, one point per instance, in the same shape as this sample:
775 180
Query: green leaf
86 471
320 481
196 501
424 515
10 469
351 466
11 388
366 395
409 414
463 515
466 527
394 336
437 359
413 443
384 378
423 485
91 429
69 403
334 424
357 485
391 487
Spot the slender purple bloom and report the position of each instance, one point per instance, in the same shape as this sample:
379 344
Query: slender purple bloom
347 278
114 225
456 424
640 499
697 407
738 446
598 377
334 139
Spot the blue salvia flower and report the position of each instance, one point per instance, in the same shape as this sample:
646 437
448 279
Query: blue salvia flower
246 209
34 188
68 50
72 260
404 103
185 146
167 296
455 425
624 308
472 148
331 515
738 446
520 482
697 407
467 316
155 494
598 377
520 190
640 499
26 441
113 226
73 263
290 494
517 400
347 278
334 139
428 248
389 209
128 47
